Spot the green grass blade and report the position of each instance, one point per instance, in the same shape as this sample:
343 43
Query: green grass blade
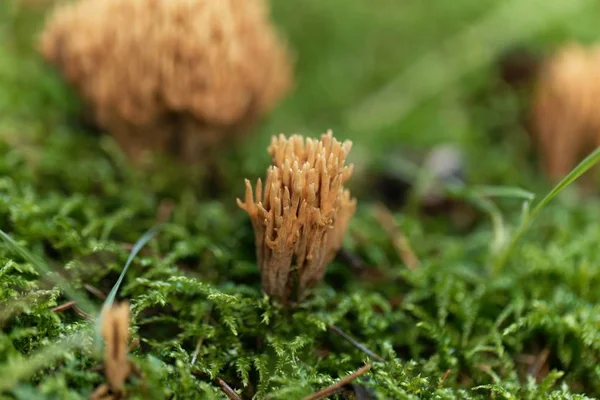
498 225
142 241
571 177
504 191
581 169
146 237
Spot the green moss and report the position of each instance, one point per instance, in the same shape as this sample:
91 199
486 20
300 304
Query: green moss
449 329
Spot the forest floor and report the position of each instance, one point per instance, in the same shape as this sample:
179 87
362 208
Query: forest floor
499 306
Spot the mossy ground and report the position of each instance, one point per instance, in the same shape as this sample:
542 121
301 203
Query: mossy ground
454 327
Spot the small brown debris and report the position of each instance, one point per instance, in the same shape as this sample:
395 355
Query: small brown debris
445 377
565 121
72 304
339 385
300 220
399 240
64 306
525 358
539 368
95 291
178 75
82 313
229 392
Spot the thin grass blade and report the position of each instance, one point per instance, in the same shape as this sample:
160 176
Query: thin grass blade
571 177
142 241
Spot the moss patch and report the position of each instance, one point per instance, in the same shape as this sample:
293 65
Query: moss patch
450 328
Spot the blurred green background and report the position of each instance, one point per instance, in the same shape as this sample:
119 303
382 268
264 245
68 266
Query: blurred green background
386 74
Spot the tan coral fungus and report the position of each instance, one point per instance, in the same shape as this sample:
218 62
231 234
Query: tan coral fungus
300 220
117 367
565 118
182 75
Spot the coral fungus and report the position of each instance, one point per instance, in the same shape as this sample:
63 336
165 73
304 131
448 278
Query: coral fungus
180 75
300 219
565 120
115 330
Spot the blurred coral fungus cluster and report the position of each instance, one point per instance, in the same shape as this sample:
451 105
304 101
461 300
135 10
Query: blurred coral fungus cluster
565 118
177 76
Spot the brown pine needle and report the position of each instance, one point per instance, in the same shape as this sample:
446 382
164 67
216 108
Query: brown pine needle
336 387
95 291
446 375
64 307
356 344
228 390
73 305
82 313
536 368
399 240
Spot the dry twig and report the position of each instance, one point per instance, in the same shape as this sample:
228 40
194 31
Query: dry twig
64 306
537 367
336 387
72 304
446 375
95 291
229 392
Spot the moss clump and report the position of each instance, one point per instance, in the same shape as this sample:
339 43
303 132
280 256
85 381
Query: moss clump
449 328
